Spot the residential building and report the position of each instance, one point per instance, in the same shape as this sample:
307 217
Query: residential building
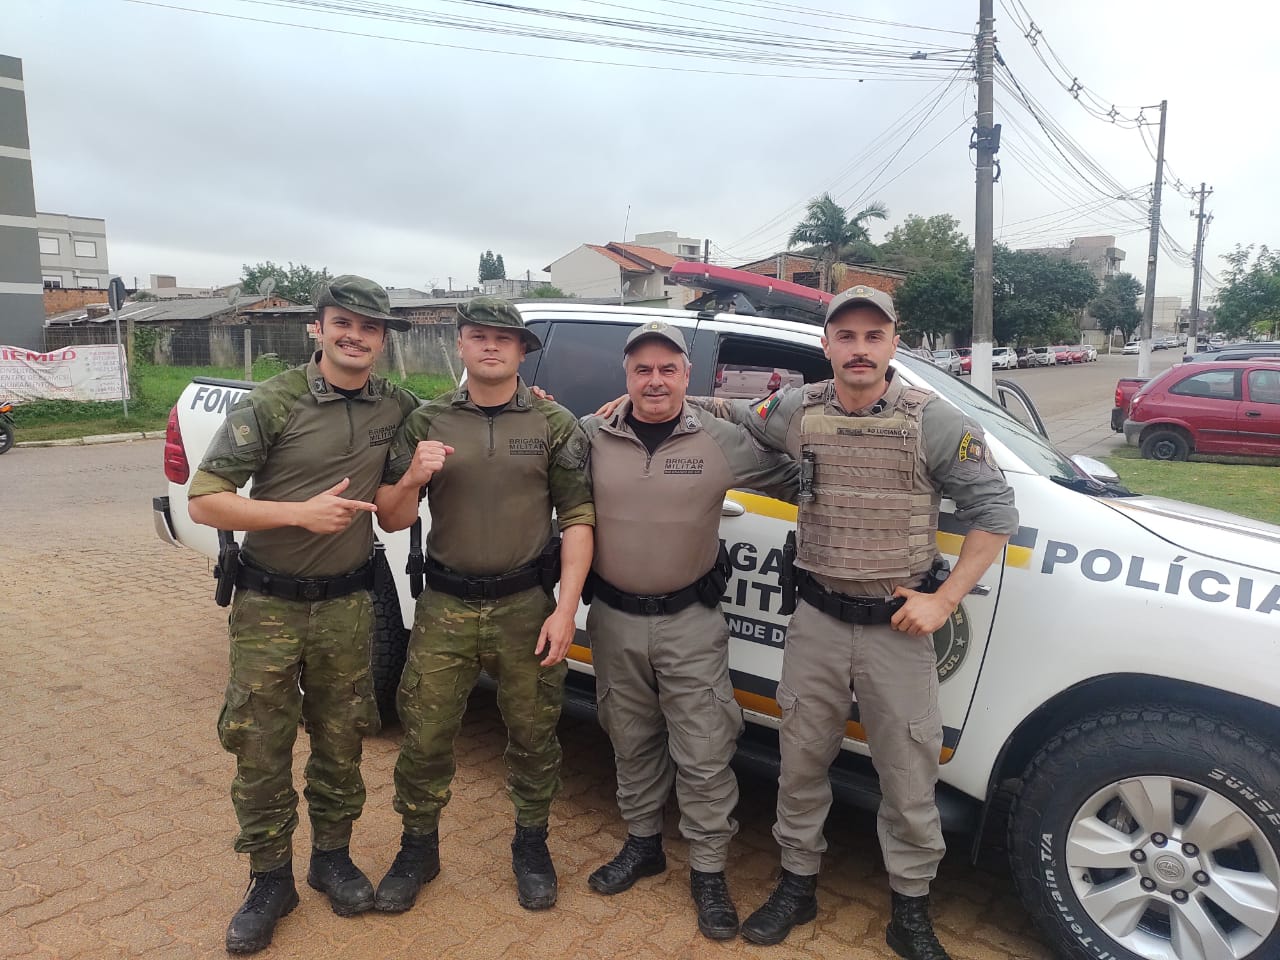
805 270
1100 254
511 288
21 292
73 251
620 273
668 241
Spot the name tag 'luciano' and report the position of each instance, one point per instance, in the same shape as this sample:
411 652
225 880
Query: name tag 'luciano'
683 465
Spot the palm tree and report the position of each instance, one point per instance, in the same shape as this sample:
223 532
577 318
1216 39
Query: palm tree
828 226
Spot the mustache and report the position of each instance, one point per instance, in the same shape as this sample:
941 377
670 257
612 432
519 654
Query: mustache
353 345
859 362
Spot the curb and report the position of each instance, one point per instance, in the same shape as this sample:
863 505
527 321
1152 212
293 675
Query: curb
91 441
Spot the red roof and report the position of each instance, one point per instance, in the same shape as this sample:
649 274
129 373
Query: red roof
652 255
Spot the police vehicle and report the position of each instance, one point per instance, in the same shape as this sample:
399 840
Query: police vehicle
1110 690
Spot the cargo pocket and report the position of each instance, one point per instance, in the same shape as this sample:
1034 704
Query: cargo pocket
926 745
406 698
605 702
723 700
235 717
367 720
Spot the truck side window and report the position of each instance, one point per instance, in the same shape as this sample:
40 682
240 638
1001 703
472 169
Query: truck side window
750 370
582 366
529 368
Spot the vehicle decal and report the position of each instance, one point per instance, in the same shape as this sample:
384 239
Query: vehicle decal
215 399
1159 576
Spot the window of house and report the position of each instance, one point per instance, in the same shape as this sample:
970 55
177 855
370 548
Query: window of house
1216 384
90 283
49 246
53 282
86 248
806 278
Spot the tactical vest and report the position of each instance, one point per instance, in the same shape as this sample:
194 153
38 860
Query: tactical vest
874 515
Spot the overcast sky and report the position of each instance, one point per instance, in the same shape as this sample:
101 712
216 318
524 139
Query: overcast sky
207 142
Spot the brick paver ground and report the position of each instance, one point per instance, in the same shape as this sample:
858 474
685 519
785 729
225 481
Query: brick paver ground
115 822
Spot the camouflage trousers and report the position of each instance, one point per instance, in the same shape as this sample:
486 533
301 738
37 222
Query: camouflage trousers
273 642
452 641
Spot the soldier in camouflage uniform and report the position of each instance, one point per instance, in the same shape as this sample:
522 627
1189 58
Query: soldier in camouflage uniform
314 441
494 461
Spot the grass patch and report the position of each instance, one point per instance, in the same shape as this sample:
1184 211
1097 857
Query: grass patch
155 391
1250 488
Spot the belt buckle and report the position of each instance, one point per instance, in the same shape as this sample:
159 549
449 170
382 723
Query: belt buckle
650 606
311 590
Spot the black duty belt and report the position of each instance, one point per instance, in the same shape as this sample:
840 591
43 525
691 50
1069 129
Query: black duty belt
846 609
296 588
482 588
660 605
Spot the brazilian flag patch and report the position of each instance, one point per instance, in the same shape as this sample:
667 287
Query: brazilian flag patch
765 406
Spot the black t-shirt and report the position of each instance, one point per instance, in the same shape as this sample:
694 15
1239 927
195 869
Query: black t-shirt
349 394
652 434
493 411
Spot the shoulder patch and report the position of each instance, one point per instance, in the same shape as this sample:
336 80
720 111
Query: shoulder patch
971 448
765 407
573 453
242 428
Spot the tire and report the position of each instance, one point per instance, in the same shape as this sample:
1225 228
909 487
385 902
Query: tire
1086 832
390 639
1164 444
6 437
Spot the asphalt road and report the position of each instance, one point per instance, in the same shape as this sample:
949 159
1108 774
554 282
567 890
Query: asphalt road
115 821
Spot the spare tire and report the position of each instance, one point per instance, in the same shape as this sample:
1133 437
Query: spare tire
390 638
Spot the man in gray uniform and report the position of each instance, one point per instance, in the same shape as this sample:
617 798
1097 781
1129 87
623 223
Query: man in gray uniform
880 455
659 642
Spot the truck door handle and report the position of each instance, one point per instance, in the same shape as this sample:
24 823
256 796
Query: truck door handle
980 590
732 508
1253 413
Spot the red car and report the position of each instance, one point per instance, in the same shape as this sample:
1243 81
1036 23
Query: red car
1067 354
966 360
1207 407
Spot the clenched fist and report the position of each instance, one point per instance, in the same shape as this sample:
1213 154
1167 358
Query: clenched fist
428 459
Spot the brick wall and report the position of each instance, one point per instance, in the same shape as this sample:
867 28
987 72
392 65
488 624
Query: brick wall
58 300
850 275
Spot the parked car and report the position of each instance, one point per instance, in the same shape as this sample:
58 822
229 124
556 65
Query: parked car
738 381
947 360
1004 358
1043 357
1133 346
1065 354
1246 351
1090 352
1126 389
1230 407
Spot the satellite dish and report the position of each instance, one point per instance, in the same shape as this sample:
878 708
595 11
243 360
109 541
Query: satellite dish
266 285
232 296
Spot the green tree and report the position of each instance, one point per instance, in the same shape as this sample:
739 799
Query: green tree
919 242
1249 299
936 301
292 282
828 226
1116 307
1038 299
491 267
549 291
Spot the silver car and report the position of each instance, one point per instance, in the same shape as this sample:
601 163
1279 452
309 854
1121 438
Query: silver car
948 360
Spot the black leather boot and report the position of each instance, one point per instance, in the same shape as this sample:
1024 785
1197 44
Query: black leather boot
271 896
717 916
417 863
639 857
793 901
333 874
535 873
910 931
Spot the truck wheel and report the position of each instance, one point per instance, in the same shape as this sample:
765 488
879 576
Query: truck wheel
1165 445
1152 834
6 437
390 640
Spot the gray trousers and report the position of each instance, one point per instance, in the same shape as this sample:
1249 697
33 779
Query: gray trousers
895 679
666 701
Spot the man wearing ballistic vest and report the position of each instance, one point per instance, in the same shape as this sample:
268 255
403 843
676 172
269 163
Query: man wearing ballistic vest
314 440
495 461
659 642
882 454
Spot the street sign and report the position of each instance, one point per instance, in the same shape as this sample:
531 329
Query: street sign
116 293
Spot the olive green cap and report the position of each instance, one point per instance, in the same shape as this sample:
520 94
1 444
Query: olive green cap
358 295
862 294
496 312
656 330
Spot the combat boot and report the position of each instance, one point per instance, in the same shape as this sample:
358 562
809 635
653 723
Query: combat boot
417 863
536 886
793 901
910 931
717 916
639 857
271 896
333 874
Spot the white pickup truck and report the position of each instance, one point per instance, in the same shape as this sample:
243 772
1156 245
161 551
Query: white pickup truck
1110 690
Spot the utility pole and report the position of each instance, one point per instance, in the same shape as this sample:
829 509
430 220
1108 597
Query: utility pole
706 251
1201 222
987 141
1149 302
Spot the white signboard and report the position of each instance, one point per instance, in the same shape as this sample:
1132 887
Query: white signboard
90 372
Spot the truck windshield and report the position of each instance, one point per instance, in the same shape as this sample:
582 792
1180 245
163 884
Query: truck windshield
1034 450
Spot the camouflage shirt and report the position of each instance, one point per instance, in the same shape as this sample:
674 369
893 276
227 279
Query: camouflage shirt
295 437
491 503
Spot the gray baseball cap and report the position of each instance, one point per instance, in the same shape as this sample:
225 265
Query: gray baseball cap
862 294
656 330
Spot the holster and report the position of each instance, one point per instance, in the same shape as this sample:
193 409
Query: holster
711 587
416 568
227 568
549 566
787 577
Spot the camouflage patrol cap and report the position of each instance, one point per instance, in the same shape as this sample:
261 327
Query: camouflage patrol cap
358 295
858 295
656 330
496 312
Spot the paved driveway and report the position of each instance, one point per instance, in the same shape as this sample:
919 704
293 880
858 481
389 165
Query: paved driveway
115 822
